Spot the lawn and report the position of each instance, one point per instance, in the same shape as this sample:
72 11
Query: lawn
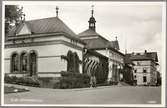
12 89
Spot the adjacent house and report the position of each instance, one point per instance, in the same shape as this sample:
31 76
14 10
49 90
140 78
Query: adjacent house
145 68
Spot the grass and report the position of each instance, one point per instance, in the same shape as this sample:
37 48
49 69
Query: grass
14 90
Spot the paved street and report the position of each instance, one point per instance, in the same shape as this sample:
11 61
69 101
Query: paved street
99 95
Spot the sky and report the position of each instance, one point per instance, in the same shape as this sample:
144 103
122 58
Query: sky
137 26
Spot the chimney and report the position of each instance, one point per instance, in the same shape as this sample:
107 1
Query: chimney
145 51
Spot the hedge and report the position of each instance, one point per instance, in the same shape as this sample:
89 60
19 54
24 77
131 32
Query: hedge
27 81
72 80
48 82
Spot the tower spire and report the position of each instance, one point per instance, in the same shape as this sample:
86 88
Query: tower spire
57 11
92 20
92 10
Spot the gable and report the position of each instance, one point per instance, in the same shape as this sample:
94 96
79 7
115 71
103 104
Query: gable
24 29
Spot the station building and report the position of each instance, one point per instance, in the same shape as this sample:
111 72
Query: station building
38 47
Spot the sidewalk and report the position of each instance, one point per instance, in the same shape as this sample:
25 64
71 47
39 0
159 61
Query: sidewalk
74 89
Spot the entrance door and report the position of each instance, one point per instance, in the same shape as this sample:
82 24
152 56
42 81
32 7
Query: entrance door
33 63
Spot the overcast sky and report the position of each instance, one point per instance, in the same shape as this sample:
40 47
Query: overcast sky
138 26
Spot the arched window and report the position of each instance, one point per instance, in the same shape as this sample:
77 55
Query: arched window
33 63
23 62
14 63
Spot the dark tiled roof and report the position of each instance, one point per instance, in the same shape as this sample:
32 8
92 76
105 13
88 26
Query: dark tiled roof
88 32
46 25
96 54
144 56
95 43
114 44
127 59
99 42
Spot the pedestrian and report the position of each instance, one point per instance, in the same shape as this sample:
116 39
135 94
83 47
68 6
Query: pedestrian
91 82
94 81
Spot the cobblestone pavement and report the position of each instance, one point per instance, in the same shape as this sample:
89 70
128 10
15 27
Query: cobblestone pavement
99 95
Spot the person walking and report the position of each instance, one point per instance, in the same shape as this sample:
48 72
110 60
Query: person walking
92 81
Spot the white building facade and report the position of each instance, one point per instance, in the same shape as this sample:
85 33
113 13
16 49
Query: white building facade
37 48
115 60
145 68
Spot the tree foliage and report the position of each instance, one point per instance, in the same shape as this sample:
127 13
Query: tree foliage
76 62
13 15
69 61
72 62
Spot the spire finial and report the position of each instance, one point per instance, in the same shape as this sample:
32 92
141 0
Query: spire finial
57 11
92 20
92 9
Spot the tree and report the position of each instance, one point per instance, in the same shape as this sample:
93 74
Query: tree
72 62
76 62
13 15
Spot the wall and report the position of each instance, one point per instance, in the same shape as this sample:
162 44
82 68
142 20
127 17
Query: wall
150 74
114 58
49 57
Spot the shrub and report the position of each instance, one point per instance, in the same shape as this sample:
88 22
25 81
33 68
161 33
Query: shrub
72 80
7 79
30 81
27 81
48 82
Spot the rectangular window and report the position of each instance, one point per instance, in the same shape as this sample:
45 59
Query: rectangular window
144 79
144 71
135 70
